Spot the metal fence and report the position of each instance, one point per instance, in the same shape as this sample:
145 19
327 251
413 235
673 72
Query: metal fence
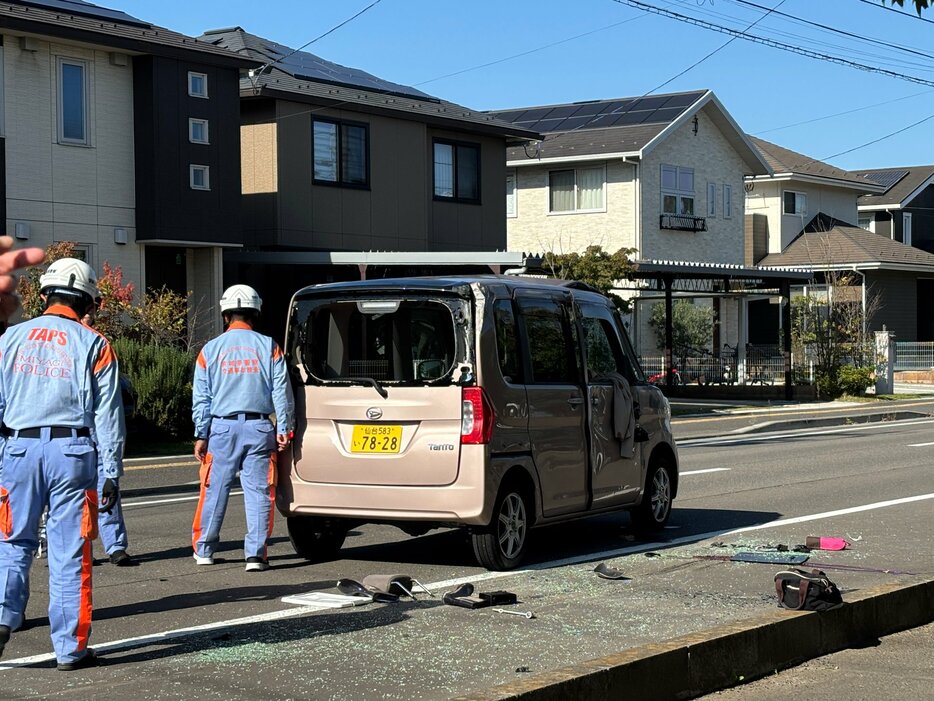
914 355
764 365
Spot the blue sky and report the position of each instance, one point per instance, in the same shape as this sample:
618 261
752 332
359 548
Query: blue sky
413 41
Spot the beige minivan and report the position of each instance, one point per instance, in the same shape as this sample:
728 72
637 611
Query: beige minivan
494 403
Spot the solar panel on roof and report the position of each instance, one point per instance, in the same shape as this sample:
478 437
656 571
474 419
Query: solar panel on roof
666 114
573 123
628 117
684 99
651 103
564 111
886 178
302 64
86 9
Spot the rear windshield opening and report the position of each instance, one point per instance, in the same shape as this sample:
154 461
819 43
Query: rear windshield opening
393 341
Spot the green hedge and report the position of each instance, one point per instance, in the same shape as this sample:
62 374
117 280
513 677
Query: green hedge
161 376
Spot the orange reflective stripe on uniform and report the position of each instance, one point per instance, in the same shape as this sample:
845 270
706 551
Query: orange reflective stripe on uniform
6 515
89 515
276 352
202 363
272 481
205 477
89 533
105 358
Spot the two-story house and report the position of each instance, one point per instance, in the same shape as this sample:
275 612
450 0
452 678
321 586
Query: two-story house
905 211
122 137
344 171
661 174
806 216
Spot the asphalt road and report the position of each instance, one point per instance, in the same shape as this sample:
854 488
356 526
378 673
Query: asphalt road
871 483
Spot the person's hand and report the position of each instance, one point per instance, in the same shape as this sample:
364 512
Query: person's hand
282 440
201 449
11 260
110 493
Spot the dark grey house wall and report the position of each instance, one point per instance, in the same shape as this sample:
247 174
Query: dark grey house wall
898 302
396 211
166 206
922 219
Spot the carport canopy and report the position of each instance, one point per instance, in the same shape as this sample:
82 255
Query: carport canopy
718 279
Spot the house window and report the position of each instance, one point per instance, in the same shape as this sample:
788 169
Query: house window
678 190
727 201
867 222
794 202
340 153
511 194
712 199
906 228
457 171
198 131
197 84
72 102
580 190
199 177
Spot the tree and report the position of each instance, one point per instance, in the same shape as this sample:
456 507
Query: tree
28 285
830 328
692 326
596 267
919 4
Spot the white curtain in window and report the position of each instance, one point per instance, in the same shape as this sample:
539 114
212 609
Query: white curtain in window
685 180
561 189
590 188
444 170
510 194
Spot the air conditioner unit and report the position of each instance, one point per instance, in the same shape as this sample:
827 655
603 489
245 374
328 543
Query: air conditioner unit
29 43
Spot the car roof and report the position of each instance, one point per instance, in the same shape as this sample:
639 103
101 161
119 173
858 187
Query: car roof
446 283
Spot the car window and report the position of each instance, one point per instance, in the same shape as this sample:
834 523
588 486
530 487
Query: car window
507 341
604 354
550 343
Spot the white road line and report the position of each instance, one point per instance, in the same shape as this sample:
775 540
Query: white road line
920 445
760 438
701 472
437 587
171 500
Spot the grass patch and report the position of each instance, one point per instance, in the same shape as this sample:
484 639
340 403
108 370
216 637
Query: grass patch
880 397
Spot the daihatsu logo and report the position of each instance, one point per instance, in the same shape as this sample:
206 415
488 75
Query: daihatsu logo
374 413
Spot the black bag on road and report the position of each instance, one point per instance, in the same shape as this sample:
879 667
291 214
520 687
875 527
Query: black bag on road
806 591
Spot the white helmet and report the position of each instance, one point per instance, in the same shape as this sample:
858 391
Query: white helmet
70 276
240 297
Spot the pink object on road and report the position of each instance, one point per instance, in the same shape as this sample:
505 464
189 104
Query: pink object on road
824 543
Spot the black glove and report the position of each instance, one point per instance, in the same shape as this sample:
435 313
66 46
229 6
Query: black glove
109 496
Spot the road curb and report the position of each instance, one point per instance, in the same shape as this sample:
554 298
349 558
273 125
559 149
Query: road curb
714 659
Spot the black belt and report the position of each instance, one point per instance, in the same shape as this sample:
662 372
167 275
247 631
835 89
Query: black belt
246 416
54 432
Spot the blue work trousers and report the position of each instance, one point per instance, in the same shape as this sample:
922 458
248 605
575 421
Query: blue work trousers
58 473
111 525
247 446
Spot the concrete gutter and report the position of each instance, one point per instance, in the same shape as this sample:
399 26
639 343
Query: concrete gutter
701 663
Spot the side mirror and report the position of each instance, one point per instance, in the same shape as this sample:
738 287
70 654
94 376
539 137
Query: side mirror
429 369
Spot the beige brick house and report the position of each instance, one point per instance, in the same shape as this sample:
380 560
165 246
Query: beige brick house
661 174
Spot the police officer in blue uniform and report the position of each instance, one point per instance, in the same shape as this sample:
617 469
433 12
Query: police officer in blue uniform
58 380
240 379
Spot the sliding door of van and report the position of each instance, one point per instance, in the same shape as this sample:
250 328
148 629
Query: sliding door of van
615 477
557 412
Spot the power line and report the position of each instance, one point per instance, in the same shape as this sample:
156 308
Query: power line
317 38
845 112
892 9
530 51
842 32
881 138
773 43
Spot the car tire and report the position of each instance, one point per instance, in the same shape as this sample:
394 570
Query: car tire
653 513
502 545
315 539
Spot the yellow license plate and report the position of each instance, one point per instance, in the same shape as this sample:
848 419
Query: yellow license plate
376 438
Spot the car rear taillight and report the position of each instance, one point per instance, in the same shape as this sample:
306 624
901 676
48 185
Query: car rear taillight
476 417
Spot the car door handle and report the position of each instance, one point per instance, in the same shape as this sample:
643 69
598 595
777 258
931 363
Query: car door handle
575 401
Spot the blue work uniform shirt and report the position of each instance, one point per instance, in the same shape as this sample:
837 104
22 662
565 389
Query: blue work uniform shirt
241 371
54 371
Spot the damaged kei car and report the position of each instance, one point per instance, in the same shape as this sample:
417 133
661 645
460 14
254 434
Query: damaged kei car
494 403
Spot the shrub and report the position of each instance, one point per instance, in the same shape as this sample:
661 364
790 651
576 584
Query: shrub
854 381
162 377
828 386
